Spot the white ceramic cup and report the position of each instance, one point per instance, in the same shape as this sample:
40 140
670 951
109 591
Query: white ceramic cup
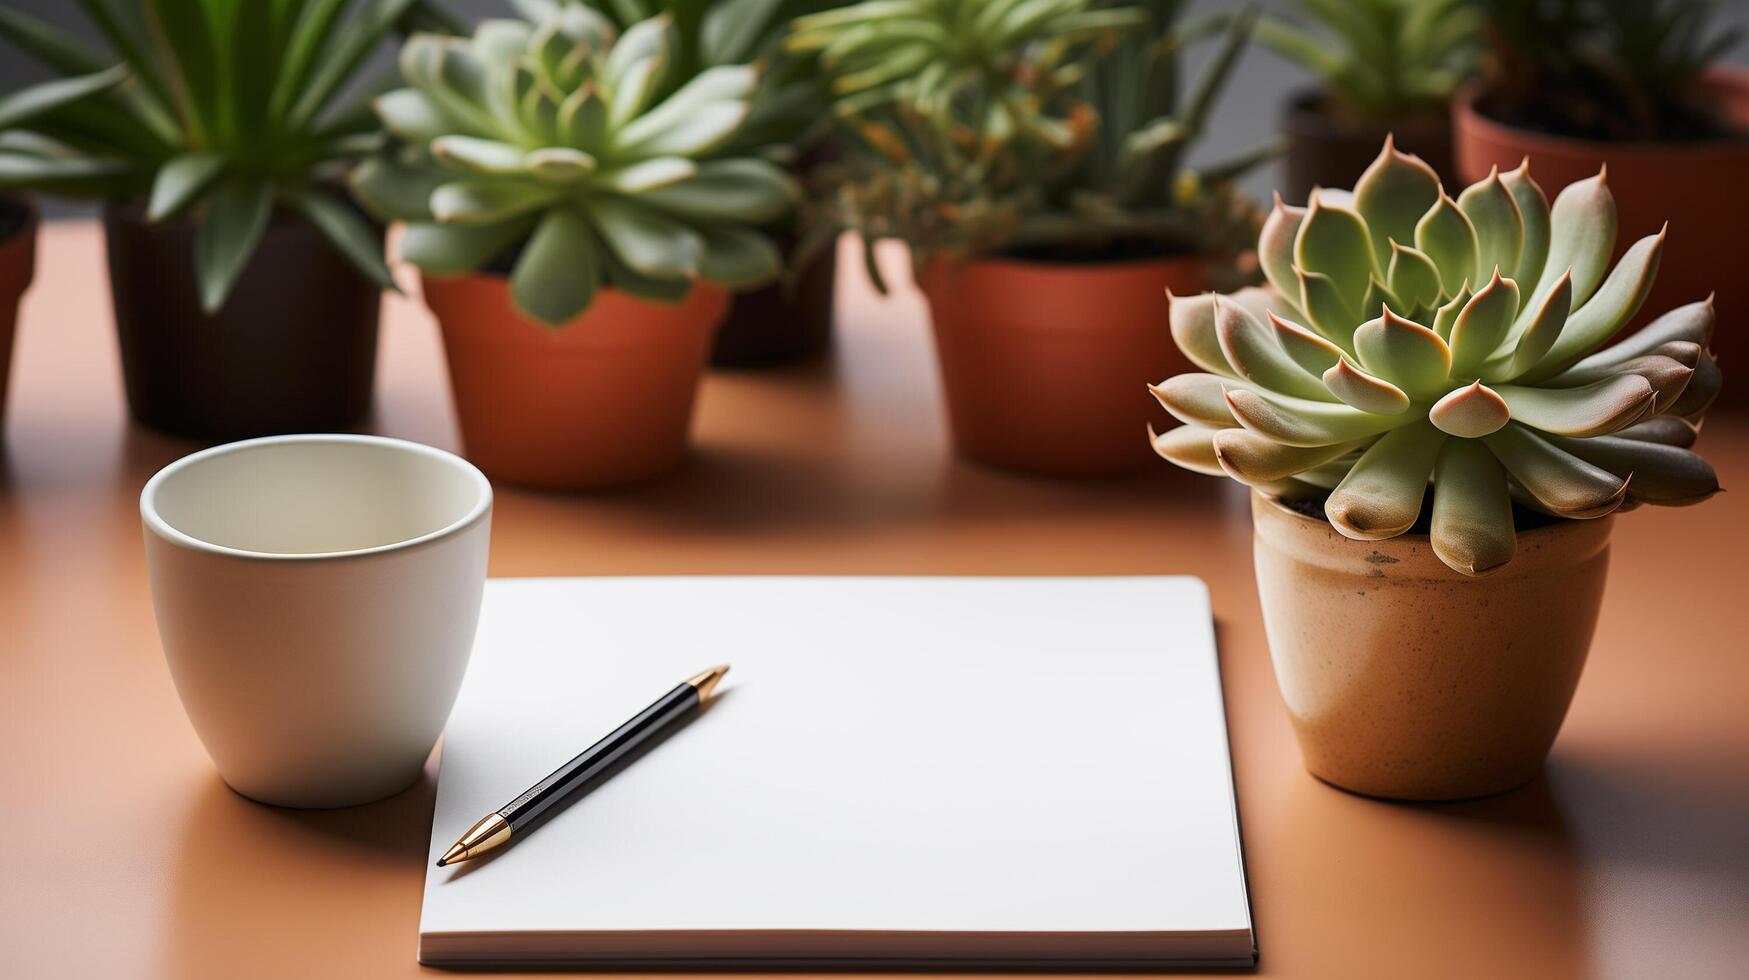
317 597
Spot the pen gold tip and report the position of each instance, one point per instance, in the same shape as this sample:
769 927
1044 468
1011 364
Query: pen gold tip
489 833
706 681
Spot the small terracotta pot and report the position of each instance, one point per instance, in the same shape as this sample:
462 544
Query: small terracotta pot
1326 150
781 322
1701 188
603 401
1407 680
1045 366
17 268
292 350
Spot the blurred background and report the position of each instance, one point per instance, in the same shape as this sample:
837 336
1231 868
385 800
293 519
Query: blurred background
1246 115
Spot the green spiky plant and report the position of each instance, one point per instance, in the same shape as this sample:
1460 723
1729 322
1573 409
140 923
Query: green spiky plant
1382 61
218 110
1620 70
1058 129
1408 339
547 145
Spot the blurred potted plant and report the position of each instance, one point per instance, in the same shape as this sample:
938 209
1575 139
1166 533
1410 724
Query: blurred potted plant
577 238
18 215
1033 159
1382 66
1634 85
792 317
1436 438
246 286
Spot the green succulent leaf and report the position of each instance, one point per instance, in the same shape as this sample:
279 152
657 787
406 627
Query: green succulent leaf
1392 195
1300 422
1412 276
225 239
452 249
1499 227
1192 321
1189 446
1595 409
1334 242
1445 235
1607 311
648 241
1275 246
347 231
1533 211
1472 528
1252 350
1256 461
1561 482
1382 494
1409 354
558 274
1482 325
179 181
1365 392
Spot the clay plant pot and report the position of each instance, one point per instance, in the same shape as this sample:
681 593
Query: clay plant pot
1325 149
1407 680
1700 187
603 401
781 322
292 350
18 226
1045 366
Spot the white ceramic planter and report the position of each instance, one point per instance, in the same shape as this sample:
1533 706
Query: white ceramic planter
317 597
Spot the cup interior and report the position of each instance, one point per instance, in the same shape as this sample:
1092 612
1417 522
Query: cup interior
309 495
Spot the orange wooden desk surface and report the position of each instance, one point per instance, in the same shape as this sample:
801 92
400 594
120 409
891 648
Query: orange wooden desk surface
122 854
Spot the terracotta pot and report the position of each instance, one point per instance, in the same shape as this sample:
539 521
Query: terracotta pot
1326 150
603 401
1701 188
1407 680
292 350
1045 366
778 324
18 225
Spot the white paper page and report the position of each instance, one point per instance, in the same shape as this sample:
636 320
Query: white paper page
988 754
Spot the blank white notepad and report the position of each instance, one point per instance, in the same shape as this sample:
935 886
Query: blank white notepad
899 771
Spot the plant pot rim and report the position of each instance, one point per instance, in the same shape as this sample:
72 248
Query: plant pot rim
32 219
1725 81
1411 555
1304 113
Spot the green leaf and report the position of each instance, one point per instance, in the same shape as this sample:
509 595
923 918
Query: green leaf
1334 242
350 234
1582 227
731 31
1405 353
558 274
484 201
480 156
20 107
1412 275
647 241
394 192
309 34
1533 210
727 83
1594 409
1382 494
49 44
1195 398
1607 311
1540 334
738 257
702 131
1392 195
1302 422
1251 348
1498 225
341 59
1472 512
743 189
1560 481
1275 246
1302 346
648 175
189 53
1667 475
1192 321
1363 391
1482 325
179 181
412 115
1189 446
1445 235
1330 314
449 249
236 217
1255 461
1470 412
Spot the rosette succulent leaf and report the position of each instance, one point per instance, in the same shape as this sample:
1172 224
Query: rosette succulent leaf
548 144
1411 345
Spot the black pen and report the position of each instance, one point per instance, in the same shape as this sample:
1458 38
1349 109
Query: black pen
496 829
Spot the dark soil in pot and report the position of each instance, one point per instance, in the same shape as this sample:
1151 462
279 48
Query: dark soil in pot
1329 149
292 350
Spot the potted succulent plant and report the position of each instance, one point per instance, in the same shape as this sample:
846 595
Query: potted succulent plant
1032 158
1436 438
791 317
1575 85
246 286
577 239
1381 66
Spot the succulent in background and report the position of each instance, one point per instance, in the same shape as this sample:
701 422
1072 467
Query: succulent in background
1056 129
549 143
1605 69
1382 60
789 106
1133 190
1410 338
219 110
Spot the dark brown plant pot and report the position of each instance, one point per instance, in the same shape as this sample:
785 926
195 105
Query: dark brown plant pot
781 322
18 224
1326 149
292 350
1700 187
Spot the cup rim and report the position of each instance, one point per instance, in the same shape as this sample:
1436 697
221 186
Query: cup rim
163 529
